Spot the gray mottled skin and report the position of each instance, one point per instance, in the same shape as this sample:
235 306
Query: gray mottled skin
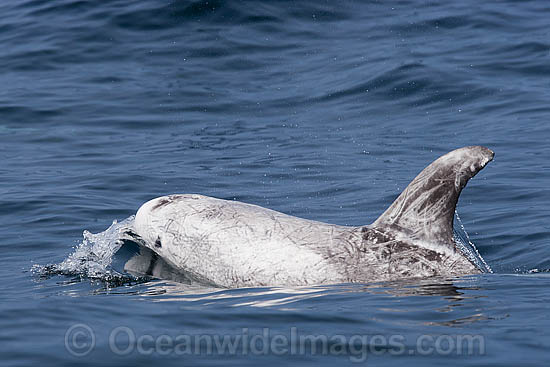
233 244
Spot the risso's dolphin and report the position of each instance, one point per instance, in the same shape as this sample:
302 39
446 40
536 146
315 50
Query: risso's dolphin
233 244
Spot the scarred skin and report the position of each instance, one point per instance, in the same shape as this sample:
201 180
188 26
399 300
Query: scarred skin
233 244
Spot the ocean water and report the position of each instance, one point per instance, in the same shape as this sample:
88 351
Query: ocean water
319 109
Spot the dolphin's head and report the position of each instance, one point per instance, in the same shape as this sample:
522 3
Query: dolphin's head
160 225
154 224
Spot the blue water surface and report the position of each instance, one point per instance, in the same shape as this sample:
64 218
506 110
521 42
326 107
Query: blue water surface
319 109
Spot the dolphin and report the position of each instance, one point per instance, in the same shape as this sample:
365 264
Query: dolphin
234 244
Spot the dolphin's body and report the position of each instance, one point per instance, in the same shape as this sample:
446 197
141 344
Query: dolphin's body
233 244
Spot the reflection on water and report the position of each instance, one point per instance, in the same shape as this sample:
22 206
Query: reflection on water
454 293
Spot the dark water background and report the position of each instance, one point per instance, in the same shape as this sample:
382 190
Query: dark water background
320 109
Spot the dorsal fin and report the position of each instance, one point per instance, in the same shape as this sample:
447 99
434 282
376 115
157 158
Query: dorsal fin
425 209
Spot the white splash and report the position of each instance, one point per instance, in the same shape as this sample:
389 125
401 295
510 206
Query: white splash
463 242
93 256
